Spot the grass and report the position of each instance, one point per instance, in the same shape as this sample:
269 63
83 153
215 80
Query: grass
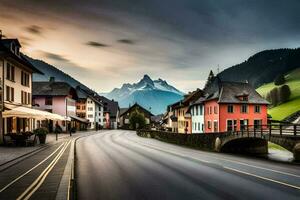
293 105
275 146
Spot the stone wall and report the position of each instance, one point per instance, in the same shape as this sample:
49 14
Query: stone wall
198 141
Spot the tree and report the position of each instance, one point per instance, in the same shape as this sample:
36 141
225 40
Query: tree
137 120
285 93
210 79
279 80
274 95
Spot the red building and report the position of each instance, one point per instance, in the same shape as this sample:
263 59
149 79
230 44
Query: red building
233 106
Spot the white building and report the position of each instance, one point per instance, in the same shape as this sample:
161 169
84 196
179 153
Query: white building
197 114
89 107
94 113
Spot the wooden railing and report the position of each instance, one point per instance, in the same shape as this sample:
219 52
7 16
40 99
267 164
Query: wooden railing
281 129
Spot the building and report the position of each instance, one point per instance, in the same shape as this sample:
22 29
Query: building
111 112
233 106
59 98
125 115
196 110
89 107
16 86
184 118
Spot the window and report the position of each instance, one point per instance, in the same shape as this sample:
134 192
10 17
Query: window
10 72
210 110
243 124
229 125
257 123
230 108
24 79
78 107
215 110
10 93
215 126
198 126
201 110
245 98
29 98
209 124
257 109
90 108
83 107
90 116
48 101
244 108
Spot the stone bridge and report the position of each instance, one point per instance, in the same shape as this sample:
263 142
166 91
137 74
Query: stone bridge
250 141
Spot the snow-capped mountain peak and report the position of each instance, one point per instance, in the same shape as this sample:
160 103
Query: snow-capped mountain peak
148 88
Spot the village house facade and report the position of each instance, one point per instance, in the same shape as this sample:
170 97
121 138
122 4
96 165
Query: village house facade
89 107
234 106
196 110
125 115
183 111
59 98
16 83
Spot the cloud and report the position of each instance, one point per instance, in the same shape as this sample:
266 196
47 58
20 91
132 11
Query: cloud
54 56
126 41
96 44
34 29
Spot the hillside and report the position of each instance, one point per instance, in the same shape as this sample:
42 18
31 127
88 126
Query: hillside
293 105
153 95
51 71
263 67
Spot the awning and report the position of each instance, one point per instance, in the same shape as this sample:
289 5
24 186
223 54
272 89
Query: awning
26 112
80 119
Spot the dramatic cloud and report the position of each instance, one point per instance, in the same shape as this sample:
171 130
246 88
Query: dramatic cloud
96 44
177 40
54 56
36 30
126 41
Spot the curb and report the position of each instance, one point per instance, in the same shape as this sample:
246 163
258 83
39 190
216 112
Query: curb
67 186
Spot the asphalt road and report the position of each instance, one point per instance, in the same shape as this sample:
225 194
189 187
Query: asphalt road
120 165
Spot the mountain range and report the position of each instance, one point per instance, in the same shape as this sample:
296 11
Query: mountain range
154 95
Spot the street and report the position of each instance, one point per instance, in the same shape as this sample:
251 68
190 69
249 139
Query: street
120 165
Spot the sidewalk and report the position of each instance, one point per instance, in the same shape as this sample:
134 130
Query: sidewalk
12 152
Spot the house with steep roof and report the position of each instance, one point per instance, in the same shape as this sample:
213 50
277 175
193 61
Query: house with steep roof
126 112
111 112
15 86
233 106
182 110
89 107
59 98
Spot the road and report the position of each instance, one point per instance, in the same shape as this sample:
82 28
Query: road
120 165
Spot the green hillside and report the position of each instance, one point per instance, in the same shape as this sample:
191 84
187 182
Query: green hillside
293 105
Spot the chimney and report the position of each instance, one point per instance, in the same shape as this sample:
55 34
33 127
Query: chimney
52 79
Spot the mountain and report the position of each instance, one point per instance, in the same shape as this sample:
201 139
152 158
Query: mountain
51 71
154 95
263 67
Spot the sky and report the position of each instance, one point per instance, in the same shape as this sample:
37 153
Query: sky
105 43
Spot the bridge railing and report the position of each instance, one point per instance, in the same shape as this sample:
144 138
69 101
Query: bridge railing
281 129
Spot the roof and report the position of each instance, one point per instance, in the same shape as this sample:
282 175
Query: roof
123 110
110 106
6 52
84 94
231 91
139 106
189 99
51 89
